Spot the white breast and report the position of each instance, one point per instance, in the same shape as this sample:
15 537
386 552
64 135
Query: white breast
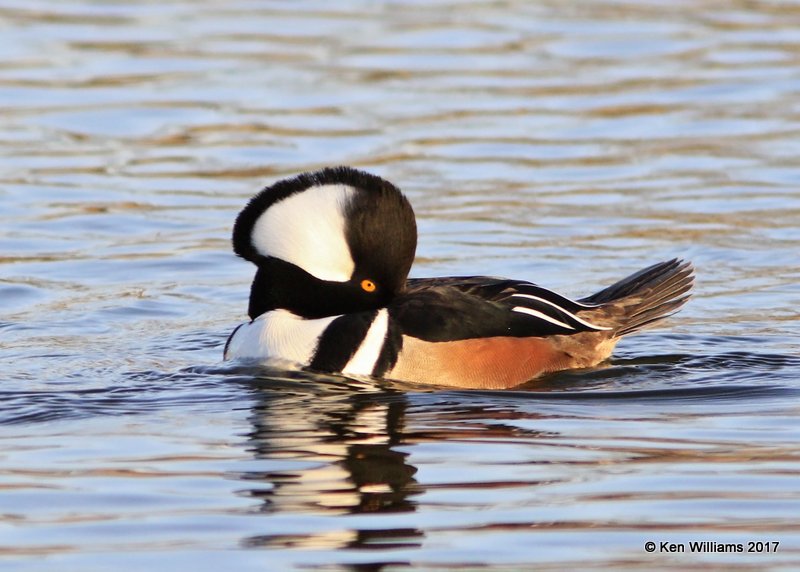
281 336
278 335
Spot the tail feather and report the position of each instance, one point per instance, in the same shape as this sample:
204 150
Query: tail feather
646 297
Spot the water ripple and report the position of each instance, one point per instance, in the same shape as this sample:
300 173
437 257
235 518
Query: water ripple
564 143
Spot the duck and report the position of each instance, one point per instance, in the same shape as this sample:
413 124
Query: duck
333 250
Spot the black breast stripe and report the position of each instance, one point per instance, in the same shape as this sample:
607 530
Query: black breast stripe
228 342
340 341
392 344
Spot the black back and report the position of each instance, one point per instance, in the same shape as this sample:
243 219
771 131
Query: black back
458 308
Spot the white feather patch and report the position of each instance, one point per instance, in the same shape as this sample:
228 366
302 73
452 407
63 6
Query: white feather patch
363 361
308 230
279 335
541 316
567 312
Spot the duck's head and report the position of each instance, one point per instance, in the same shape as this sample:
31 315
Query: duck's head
326 243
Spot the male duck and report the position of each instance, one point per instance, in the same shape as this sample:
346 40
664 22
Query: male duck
333 251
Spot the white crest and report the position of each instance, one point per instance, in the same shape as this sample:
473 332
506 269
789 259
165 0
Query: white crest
308 230
278 335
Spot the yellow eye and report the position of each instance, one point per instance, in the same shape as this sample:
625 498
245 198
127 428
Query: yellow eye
368 285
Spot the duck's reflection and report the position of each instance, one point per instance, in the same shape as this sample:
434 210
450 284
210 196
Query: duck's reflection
337 450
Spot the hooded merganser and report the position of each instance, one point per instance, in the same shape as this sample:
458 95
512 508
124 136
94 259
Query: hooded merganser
333 250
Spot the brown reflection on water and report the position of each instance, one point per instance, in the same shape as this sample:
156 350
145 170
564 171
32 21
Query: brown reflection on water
354 455
353 465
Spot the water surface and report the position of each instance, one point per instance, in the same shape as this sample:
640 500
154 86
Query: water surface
564 143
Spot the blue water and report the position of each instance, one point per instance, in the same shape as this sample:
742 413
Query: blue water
568 144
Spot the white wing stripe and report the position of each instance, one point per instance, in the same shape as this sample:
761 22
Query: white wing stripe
559 296
567 312
537 314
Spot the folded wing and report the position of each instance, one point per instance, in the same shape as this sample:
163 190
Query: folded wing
456 308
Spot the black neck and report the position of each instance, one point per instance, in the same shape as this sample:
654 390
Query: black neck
281 285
